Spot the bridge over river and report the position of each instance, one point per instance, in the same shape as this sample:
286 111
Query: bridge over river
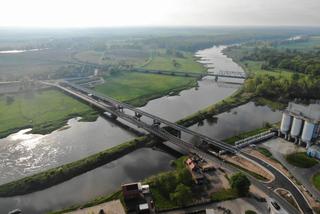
117 109
157 127
226 74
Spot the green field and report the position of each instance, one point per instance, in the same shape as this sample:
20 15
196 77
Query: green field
138 88
33 63
300 159
44 110
166 62
316 180
255 68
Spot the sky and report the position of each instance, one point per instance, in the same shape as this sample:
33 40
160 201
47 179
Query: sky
114 13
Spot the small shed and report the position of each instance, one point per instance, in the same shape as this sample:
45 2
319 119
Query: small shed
314 151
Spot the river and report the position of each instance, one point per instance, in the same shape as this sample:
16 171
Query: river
23 154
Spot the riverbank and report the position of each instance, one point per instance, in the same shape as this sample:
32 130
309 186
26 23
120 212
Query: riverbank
43 110
65 172
235 100
138 89
221 106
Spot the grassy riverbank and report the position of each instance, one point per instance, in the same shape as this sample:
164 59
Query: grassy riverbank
235 100
62 173
138 88
173 63
44 111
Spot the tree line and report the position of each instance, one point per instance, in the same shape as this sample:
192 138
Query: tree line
294 60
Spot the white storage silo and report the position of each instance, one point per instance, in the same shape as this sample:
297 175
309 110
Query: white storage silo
296 127
307 133
285 123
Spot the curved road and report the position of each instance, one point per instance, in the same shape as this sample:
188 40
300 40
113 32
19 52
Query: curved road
282 181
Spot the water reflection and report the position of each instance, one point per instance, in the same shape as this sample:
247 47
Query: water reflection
24 154
243 118
208 92
103 180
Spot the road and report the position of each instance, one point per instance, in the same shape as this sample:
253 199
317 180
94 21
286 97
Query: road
282 181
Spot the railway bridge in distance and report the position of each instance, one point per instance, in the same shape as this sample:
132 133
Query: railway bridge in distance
218 74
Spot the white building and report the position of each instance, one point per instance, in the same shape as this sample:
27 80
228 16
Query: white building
301 123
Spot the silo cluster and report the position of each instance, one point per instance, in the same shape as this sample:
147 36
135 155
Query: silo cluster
301 123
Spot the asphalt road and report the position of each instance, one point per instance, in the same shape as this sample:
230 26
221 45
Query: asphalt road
281 181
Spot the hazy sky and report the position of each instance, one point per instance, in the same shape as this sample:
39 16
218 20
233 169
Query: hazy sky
84 13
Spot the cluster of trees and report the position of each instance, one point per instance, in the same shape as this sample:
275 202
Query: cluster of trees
176 186
283 88
241 183
298 61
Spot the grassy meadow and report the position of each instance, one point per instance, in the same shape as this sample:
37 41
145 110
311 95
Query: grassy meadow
44 111
138 88
171 63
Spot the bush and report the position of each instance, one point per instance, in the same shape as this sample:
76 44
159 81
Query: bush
300 159
182 195
240 183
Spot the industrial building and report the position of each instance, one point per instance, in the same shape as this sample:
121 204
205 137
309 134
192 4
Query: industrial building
314 151
301 123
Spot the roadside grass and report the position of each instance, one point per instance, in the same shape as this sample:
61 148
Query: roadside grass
44 111
265 152
166 62
316 180
253 174
301 159
224 195
138 88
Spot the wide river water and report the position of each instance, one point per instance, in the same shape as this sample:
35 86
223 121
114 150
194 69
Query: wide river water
23 154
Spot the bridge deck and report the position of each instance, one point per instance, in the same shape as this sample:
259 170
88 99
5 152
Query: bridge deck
228 74
175 126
